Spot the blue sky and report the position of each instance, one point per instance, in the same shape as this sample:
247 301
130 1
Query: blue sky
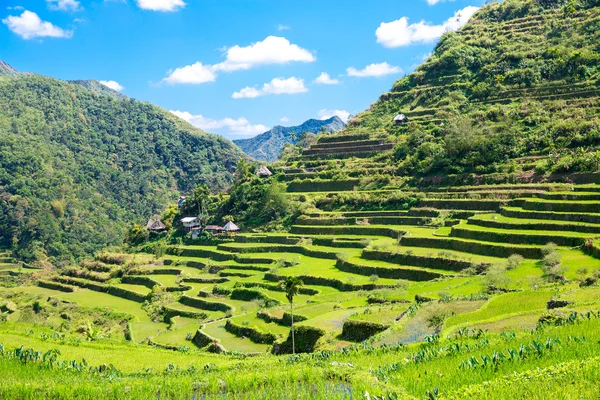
231 67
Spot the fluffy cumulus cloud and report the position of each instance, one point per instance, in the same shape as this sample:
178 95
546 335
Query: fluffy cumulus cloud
374 70
272 50
276 86
401 33
434 2
29 26
160 5
193 74
65 5
326 114
232 127
325 79
114 85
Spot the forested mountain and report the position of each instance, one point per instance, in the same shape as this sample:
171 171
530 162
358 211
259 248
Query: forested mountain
98 88
77 166
267 146
521 79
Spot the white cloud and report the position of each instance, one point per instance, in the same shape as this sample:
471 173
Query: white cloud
272 50
325 79
114 85
281 27
247 93
284 119
401 33
276 86
326 114
234 127
65 5
29 26
434 2
370 70
160 5
193 74
16 8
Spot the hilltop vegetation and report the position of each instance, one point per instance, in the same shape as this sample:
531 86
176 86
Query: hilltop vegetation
77 166
521 79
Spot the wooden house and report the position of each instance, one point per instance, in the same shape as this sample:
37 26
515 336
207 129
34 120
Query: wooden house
191 222
214 229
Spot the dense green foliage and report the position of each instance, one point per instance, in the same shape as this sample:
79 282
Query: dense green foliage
521 79
76 167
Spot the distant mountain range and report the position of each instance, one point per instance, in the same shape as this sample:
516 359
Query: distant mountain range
267 146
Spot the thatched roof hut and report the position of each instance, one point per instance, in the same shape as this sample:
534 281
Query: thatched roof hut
231 227
264 172
155 224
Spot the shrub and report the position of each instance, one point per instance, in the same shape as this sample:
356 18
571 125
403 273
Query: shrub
357 331
552 260
496 276
549 248
514 261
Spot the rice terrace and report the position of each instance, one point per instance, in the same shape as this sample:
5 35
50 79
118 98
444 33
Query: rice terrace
444 243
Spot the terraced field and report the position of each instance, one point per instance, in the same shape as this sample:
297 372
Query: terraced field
392 265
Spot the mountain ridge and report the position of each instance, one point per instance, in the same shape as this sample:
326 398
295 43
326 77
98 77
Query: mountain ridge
268 145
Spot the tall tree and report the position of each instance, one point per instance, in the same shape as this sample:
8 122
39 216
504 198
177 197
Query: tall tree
291 285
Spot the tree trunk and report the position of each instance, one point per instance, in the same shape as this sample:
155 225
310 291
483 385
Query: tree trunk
293 343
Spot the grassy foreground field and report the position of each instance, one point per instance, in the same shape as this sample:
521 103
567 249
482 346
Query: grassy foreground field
469 364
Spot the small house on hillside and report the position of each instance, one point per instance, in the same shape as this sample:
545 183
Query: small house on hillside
231 228
400 119
155 224
214 229
181 201
191 222
263 172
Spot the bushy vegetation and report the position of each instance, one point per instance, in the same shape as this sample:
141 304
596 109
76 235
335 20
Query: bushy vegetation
77 167
484 98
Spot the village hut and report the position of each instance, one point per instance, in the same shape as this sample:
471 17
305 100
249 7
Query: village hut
263 172
191 222
231 228
400 119
155 224
214 229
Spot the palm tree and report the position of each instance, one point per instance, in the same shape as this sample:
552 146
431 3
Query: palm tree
291 285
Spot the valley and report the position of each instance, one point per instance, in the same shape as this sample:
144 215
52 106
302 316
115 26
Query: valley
443 244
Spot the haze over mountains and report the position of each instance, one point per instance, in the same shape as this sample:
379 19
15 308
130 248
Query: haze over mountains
268 145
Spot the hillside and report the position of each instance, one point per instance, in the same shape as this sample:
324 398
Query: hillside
519 80
77 166
456 256
267 146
